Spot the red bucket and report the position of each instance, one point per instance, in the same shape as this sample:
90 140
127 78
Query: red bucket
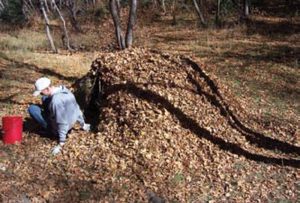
12 129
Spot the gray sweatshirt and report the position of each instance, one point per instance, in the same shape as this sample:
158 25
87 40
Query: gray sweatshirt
64 112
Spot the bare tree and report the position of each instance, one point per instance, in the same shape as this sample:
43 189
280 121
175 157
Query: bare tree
246 8
174 11
118 7
159 4
42 6
113 6
3 5
46 6
199 12
163 5
31 4
131 23
65 38
218 19
73 9
26 9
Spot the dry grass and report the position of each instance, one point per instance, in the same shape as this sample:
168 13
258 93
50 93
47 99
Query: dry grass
25 40
20 48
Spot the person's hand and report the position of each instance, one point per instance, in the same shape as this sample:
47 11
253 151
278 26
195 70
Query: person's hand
56 150
86 127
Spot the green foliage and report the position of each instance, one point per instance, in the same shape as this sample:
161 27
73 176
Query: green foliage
13 13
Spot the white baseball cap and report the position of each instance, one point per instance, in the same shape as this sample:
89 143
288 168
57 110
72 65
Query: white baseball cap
40 85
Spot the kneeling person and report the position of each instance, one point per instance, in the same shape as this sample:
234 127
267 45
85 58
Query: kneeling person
59 111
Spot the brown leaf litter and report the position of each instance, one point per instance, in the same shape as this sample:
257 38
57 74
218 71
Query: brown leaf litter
166 131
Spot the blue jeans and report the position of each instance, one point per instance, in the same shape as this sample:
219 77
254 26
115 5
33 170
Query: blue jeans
41 114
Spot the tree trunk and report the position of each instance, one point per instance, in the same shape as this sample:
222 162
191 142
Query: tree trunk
31 4
72 7
26 8
131 23
199 12
218 20
246 8
74 21
65 38
3 4
47 27
174 10
46 5
116 18
154 4
163 6
118 7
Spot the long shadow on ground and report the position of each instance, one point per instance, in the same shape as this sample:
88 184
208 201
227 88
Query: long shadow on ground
193 126
22 68
216 99
253 137
272 29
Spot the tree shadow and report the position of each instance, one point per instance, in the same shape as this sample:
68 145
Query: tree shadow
263 27
173 38
68 189
282 84
23 69
76 190
274 54
193 126
216 99
80 190
279 8
253 137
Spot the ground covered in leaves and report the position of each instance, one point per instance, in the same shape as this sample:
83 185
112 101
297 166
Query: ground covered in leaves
166 130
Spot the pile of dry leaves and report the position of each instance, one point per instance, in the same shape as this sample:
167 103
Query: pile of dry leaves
166 130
